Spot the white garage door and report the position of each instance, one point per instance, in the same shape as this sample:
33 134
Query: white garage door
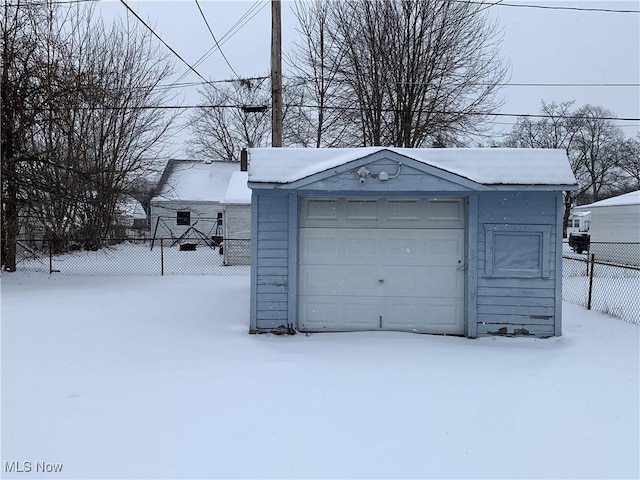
381 264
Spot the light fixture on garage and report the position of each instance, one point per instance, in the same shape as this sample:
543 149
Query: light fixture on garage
383 176
362 172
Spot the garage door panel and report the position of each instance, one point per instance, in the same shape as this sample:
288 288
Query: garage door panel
422 247
338 280
446 213
361 211
443 282
322 313
321 247
449 246
404 212
416 281
382 264
365 313
381 247
353 246
360 245
424 316
320 210
384 281
382 213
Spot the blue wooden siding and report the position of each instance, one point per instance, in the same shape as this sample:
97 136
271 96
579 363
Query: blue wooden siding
411 178
270 285
499 300
512 303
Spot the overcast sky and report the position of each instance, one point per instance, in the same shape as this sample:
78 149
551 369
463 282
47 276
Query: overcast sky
542 46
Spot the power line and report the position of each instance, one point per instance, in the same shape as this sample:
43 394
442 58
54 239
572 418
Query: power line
161 40
357 109
618 125
509 84
199 84
52 2
215 40
176 85
506 84
498 3
614 85
170 48
549 7
246 17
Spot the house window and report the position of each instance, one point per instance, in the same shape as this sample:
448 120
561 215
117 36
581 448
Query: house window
517 251
183 218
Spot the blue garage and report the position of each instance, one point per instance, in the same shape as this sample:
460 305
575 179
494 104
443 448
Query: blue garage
443 241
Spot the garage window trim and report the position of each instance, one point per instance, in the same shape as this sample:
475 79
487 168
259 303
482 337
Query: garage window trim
517 251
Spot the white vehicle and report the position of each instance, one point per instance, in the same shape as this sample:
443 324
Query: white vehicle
579 222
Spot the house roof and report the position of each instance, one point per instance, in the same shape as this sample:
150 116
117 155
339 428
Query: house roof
488 166
631 198
237 191
191 180
131 207
580 213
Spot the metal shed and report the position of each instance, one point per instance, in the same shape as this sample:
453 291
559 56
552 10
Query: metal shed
443 241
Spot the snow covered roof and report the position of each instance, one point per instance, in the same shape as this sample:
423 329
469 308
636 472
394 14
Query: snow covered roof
132 208
237 190
193 180
631 198
580 213
489 166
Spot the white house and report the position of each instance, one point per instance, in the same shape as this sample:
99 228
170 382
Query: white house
189 202
132 218
237 221
616 220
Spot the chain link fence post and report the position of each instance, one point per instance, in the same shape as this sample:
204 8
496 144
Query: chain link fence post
50 257
161 257
590 269
51 269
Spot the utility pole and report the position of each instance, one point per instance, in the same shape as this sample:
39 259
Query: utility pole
276 73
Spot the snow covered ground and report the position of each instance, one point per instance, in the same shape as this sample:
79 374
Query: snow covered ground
156 377
139 259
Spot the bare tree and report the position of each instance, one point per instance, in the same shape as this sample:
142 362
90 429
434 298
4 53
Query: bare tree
21 99
596 150
414 71
93 126
629 162
319 113
234 116
556 129
125 128
593 144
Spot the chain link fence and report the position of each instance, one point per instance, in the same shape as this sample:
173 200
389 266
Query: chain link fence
162 256
605 278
